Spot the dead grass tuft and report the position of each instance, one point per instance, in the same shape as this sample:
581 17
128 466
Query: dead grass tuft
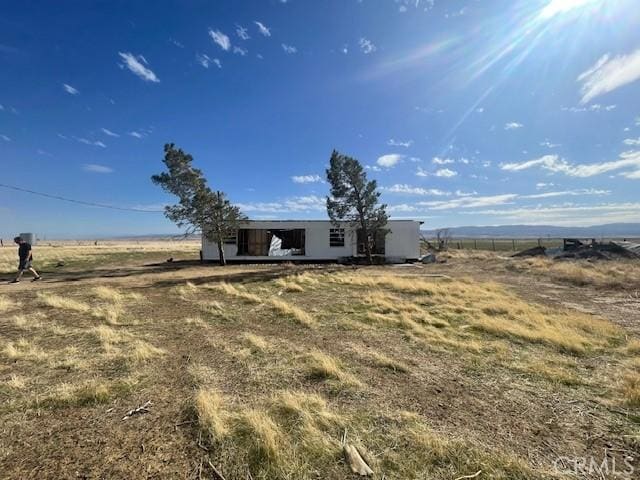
255 342
296 313
631 389
263 435
325 367
24 349
7 304
211 415
382 361
62 303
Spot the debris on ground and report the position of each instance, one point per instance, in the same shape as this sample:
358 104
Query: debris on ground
354 458
574 248
136 411
428 258
532 252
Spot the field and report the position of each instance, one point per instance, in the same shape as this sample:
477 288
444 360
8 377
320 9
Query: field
517 369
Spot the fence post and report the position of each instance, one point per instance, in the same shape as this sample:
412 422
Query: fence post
475 244
513 241
539 242
493 242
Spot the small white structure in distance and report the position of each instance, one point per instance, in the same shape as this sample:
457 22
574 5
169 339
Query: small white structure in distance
314 240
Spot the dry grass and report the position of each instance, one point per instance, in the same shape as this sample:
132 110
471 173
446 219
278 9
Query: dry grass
297 314
383 361
113 295
17 382
486 307
631 389
289 285
7 304
211 414
603 274
255 342
62 303
325 367
24 349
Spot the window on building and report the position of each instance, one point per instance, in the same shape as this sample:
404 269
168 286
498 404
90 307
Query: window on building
336 237
231 239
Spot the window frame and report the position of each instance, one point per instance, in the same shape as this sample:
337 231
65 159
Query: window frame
336 237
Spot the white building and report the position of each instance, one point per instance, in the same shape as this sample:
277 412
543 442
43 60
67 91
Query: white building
314 240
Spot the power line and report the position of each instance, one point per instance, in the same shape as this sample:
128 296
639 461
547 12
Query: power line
79 202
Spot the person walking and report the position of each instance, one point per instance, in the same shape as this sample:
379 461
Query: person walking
26 257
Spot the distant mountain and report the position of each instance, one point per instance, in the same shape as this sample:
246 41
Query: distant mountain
611 230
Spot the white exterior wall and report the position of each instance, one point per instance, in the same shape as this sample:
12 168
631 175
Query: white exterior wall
401 243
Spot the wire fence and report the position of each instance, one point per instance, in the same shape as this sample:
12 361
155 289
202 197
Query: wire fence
509 244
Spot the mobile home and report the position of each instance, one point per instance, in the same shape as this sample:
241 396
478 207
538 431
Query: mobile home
314 240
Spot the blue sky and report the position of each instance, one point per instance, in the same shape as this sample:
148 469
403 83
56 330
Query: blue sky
467 112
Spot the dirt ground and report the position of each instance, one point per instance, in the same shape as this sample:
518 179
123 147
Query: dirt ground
426 401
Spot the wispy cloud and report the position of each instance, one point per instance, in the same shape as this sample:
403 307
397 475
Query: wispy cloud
548 144
442 161
5 138
554 163
570 193
108 132
568 214
95 143
634 142
69 89
306 179
609 74
310 203
204 60
513 126
398 143
471 202
389 160
135 134
446 173
366 46
596 107
263 29
289 49
95 168
137 66
409 190
220 38
242 32
240 51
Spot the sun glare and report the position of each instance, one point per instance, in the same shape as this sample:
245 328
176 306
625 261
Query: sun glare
555 7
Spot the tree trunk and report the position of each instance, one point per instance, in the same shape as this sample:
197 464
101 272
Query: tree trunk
367 243
223 260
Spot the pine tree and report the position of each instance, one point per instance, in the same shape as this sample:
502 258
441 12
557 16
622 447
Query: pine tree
354 199
198 208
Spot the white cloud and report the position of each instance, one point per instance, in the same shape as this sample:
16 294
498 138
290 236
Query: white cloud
442 161
95 143
548 144
634 142
554 163
421 172
609 74
513 126
135 65
367 46
570 193
135 134
541 185
289 49
94 168
5 138
306 178
409 190
470 202
203 59
480 110
460 193
106 131
69 89
311 203
446 173
263 29
570 214
220 38
398 143
240 51
242 32
389 160
596 107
